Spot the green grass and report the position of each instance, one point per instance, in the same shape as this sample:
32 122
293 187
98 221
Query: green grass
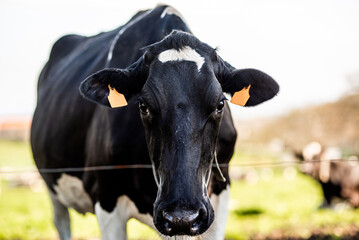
280 204
15 154
276 204
24 214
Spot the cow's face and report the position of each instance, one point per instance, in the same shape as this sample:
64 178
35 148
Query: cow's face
181 107
180 83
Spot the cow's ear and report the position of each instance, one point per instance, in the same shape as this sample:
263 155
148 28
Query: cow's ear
109 86
248 87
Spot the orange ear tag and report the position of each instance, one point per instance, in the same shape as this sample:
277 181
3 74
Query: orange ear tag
115 98
241 97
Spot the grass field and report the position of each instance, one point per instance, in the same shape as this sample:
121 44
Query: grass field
274 206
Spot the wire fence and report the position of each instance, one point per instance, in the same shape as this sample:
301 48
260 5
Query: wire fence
270 164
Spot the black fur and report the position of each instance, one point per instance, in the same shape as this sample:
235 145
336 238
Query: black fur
179 135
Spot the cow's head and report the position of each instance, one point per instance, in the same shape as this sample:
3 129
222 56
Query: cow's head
180 83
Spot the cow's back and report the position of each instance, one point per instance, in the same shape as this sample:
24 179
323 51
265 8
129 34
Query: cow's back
62 116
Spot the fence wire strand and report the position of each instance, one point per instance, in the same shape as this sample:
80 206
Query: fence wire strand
270 164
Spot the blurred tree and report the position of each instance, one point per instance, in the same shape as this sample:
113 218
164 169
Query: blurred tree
332 124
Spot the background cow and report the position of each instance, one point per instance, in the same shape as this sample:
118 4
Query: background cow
339 178
168 109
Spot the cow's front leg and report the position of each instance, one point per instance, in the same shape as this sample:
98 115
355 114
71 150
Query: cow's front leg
113 224
61 218
220 205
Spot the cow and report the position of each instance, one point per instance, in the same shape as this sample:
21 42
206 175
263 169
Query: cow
337 177
146 93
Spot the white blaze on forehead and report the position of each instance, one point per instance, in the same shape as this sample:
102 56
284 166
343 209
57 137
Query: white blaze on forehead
184 54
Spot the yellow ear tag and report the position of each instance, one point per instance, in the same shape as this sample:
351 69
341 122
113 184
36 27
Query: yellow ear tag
115 98
241 97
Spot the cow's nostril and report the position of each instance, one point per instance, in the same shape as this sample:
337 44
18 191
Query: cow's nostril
168 222
167 216
193 217
181 222
195 227
168 228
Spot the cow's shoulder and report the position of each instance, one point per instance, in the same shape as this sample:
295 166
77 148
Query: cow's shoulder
65 45
61 48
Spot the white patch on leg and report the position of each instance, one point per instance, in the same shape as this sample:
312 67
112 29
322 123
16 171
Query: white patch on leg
184 54
220 205
113 224
70 192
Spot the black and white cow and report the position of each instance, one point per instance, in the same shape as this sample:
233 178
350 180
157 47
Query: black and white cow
176 119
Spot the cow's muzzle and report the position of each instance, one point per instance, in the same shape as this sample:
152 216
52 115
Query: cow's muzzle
185 220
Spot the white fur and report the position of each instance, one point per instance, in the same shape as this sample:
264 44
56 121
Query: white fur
184 54
181 237
122 30
171 11
71 193
220 205
113 224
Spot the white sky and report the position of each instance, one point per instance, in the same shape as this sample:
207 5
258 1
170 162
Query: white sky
308 46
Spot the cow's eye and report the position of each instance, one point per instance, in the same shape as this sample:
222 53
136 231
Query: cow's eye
143 108
220 106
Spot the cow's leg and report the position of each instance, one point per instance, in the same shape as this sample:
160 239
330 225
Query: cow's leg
220 205
113 224
61 218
